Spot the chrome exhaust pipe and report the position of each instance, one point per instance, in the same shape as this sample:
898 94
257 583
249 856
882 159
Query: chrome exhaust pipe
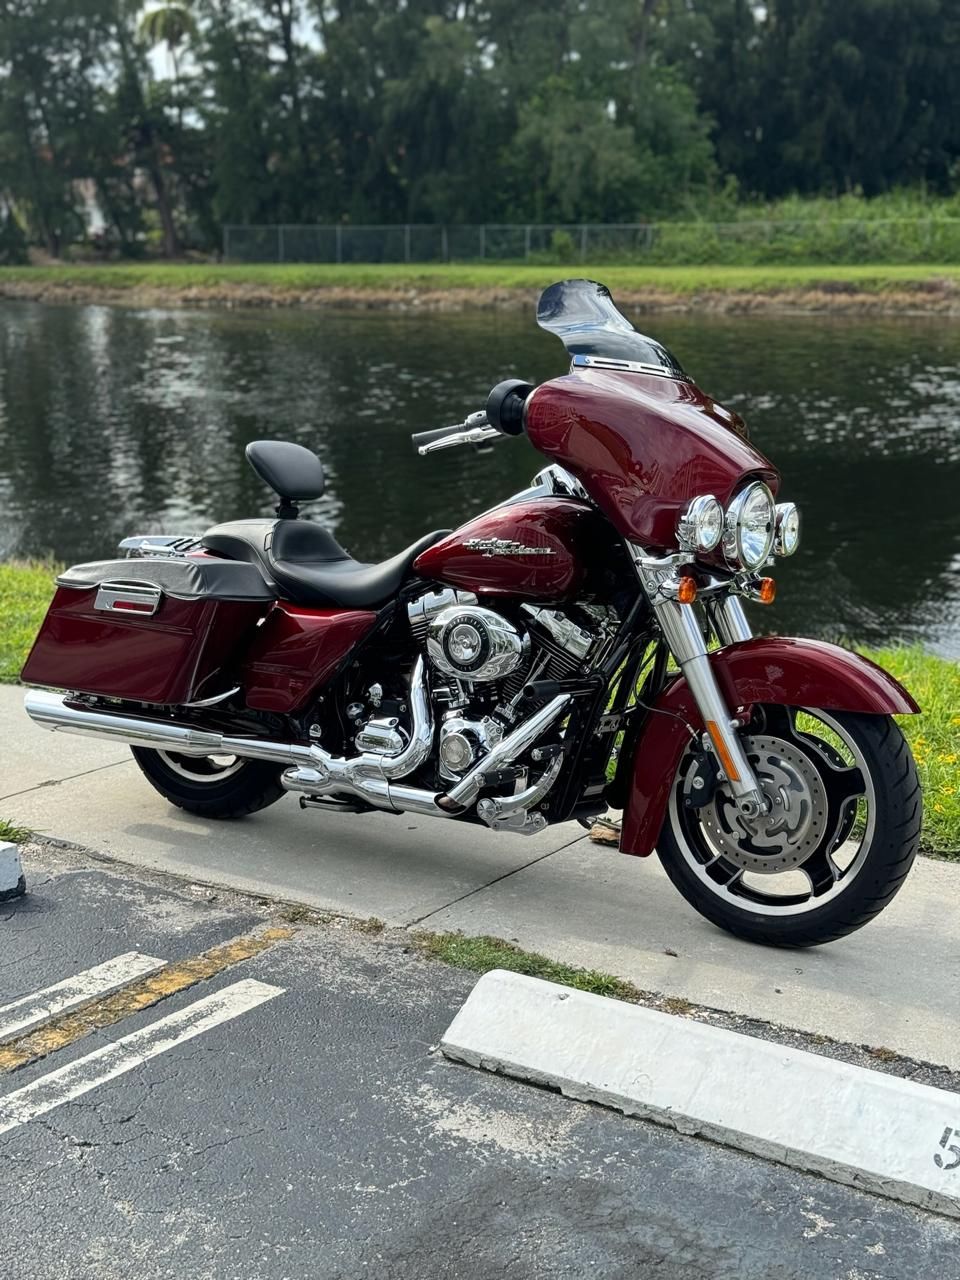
311 770
506 751
51 711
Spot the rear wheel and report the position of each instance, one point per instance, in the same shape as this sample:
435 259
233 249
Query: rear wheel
213 786
835 846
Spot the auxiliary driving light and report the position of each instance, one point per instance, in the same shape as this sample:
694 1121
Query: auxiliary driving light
786 539
700 527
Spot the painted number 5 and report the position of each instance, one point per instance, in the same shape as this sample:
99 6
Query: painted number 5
953 1148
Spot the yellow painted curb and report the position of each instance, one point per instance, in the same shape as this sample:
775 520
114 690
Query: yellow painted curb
104 1011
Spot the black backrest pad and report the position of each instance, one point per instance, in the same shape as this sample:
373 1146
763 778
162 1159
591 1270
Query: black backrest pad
289 469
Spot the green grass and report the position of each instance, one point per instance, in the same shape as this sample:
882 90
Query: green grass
13 834
25 592
934 738
399 277
486 953
26 589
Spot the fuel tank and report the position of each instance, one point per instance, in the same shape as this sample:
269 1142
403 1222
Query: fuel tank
541 548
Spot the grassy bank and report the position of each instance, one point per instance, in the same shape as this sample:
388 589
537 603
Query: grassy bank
25 591
785 287
11 833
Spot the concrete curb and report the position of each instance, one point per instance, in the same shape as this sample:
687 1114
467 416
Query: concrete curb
855 1126
13 883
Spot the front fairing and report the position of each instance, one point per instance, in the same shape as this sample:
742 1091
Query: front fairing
630 425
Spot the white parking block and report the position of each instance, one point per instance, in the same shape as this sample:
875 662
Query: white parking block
11 872
98 981
855 1126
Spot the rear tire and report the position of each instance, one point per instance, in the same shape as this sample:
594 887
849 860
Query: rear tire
702 858
206 786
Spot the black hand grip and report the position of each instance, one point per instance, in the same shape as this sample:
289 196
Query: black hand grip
505 406
426 437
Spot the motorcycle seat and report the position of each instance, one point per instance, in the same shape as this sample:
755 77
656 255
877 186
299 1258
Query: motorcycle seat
308 566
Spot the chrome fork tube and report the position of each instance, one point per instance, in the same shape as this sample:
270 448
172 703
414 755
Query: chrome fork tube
729 620
684 636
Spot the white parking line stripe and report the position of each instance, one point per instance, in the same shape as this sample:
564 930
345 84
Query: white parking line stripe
78 1078
881 1132
98 981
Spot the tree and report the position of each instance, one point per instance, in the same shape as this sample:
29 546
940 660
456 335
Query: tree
173 25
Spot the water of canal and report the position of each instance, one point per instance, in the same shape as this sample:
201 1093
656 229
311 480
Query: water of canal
115 421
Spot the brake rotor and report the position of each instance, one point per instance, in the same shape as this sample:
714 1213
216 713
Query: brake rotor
797 819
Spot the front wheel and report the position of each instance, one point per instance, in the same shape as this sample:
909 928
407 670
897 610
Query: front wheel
839 837
211 786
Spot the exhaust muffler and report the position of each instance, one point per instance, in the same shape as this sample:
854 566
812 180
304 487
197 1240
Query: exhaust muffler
52 711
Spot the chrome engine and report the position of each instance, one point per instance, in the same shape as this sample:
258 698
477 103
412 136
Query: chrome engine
483 663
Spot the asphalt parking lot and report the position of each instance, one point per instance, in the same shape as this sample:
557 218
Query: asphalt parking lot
288 1116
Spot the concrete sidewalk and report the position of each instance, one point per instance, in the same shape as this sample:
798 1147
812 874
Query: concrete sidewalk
892 985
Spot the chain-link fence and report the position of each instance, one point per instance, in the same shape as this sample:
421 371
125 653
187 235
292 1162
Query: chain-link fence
744 242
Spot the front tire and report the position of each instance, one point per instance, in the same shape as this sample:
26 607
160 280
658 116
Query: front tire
835 848
211 786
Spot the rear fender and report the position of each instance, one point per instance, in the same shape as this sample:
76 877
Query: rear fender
767 669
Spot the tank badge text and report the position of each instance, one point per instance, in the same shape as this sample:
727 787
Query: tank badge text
505 547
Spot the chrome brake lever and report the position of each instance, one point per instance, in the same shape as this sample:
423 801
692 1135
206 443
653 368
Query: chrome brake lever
473 435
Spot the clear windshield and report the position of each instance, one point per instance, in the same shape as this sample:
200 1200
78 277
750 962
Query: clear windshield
583 316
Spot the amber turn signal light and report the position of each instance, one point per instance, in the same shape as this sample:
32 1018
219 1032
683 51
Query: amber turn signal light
766 591
687 590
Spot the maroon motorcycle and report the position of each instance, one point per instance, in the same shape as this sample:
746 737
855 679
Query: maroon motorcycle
582 645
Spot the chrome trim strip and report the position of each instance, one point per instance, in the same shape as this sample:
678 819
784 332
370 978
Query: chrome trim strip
217 697
135 599
623 366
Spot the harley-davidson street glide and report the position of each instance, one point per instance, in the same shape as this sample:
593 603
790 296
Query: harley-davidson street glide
582 645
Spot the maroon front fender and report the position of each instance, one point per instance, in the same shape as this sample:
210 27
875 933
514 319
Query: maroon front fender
771 669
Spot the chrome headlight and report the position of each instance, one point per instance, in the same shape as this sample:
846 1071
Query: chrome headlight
749 528
786 537
700 527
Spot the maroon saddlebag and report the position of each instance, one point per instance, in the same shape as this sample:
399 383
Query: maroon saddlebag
148 630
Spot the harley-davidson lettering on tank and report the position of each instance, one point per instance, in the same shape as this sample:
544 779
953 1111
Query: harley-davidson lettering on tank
536 548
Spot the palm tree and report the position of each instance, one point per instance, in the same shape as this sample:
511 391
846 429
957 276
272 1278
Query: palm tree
171 24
